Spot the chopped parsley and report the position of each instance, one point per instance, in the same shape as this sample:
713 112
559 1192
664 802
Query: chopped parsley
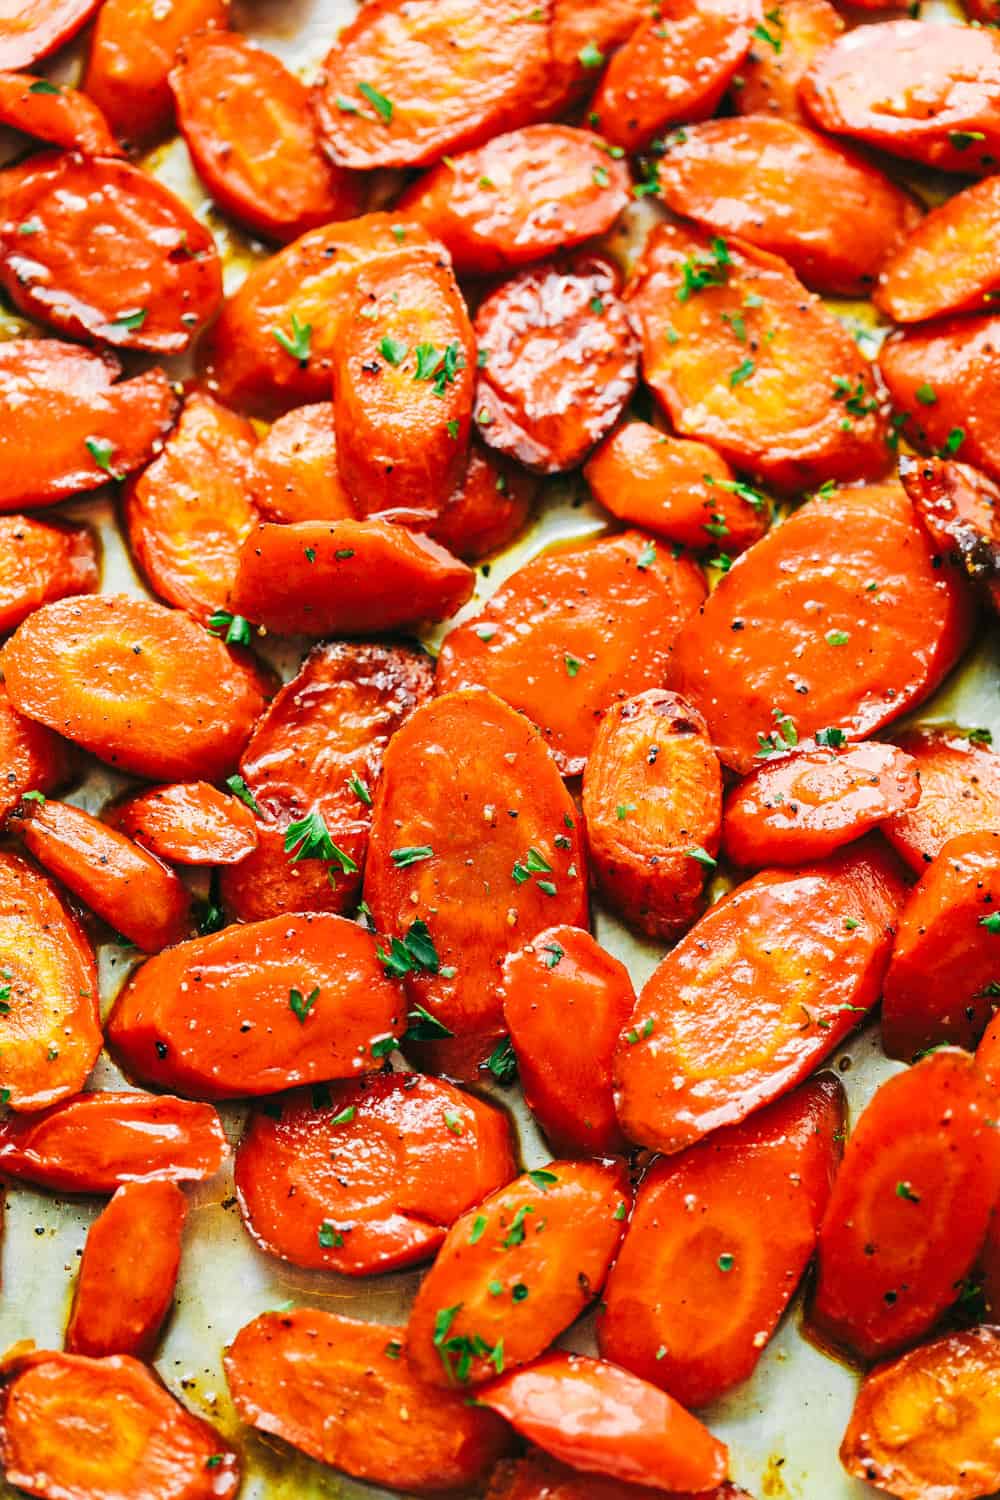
298 343
412 854
309 838
413 954
379 103
242 792
301 1006
705 270
234 629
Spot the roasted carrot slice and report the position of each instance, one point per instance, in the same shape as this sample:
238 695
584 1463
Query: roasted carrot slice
489 507
254 1009
141 686
717 1243
652 800
791 35
773 978
592 1415
565 1002
403 382
902 1435
31 29
539 1477
520 197
33 758
574 631
65 427
517 1270
538 399
62 116
294 474
957 505
390 94
187 514
988 1060
133 892
741 356
72 1428
468 779
959 793
769 667
187 822
127 1275
584 33
40 562
944 382
678 489
950 262
247 123
157 280
366 1177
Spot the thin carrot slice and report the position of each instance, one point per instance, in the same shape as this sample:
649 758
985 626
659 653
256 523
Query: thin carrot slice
652 800
944 381
127 1275
62 116
717 1243
517 1270
367 1177
49 1028
791 35
187 822
957 505
72 1428
474 850
31 29
910 1206
133 892
741 356
33 758
772 979
949 263
40 562
565 1001
574 631
769 667
294 474
538 399
141 686
539 1477
157 280
188 513
255 1009
489 507
959 793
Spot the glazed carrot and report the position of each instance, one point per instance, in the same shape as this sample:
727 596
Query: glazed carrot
65 427
741 356
294 474
141 686
520 197
574 631
403 382
592 1415
900 1437
133 892
188 823
773 977
949 263
30 30
62 116
791 35
538 1477
957 505
517 1270
488 508
565 1001
127 1275
345 578
33 758
342 1391
652 800
187 514
681 490
988 1061
584 33
72 1428
367 1177
255 1009
157 280
769 669
537 399
943 380
40 562
419 106
804 805
717 1243
959 793
474 851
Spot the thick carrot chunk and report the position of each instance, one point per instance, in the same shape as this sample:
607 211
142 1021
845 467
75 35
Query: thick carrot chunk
489 507
950 262
944 380
61 116
33 758
792 34
40 562
189 823
959 793
31 29
294 474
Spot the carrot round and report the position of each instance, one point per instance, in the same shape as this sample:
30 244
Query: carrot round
40 562
949 263
294 474
188 823
539 1477
488 508
516 1270
773 977
957 505
61 116
141 686
584 34
793 33
959 793
944 380
343 1392
127 1275
31 29
367 1177
33 758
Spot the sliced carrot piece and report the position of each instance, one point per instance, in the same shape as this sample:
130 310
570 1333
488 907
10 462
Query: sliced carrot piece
950 262
62 116
791 35
988 1061
33 758
565 1001
539 1477
367 1177
294 474
772 978
538 400
133 892
769 667
127 1275
40 562
652 800
187 514
141 686
959 793
157 280
592 1415
489 507
741 356
254 1009
72 1428
187 822
65 427
31 29
468 779
910 1206
944 381
574 631
269 880
515 1271
957 505
584 33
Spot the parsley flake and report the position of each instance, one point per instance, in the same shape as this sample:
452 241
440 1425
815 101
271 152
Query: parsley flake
309 838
